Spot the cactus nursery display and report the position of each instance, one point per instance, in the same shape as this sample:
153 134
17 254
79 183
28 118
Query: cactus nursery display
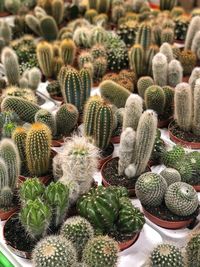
99 133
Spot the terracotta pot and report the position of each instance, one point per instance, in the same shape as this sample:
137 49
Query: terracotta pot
57 143
44 179
186 78
4 215
163 123
4 14
57 98
124 245
176 140
102 160
166 224
197 187
115 139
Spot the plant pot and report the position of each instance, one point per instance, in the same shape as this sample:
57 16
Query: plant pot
197 187
126 244
4 215
4 14
104 159
167 224
44 179
184 143
164 123
115 139
57 98
57 143
186 78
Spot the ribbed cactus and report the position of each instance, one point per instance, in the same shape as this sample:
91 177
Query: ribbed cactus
196 112
192 250
71 87
35 217
150 188
159 67
31 189
172 156
156 34
5 32
175 73
53 89
54 251
38 148
151 52
33 23
103 6
23 108
136 59
6 197
188 61
98 50
92 4
181 199
118 11
79 231
100 66
98 35
193 28
3 174
143 83
86 80
103 126
133 111
81 36
183 106
68 51
48 27
57 65
84 58
45 58
167 36
170 175
47 118
34 78
155 99
167 4
193 78
11 65
195 44
58 10
166 49
19 137
144 35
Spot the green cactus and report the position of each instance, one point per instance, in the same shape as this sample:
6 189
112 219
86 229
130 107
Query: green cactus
49 29
151 52
143 83
114 93
175 73
181 199
45 58
172 156
185 170
19 137
90 14
81 37
194 159
188 61
193 28
100 67
167 36
58 10
47 118
86 80
165 254
34 78
103 126
5 32
84 58
53 89
155 99
2 5
79 231
38 148
33 23
136 58
98 50
68 51
92 4
12 6
150 188
170 175
156 34
101 251
66 119
3 174
144 35
98 35
192 250
167 4
118 12
6 196
35 217
10 62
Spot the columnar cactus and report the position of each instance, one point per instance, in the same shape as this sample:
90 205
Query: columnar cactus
155 99
19 137
45 58
103 6
193 78
167 36
11 65
84 58
144 36
98 35
195 44
34 78
118 11
170 175
58 10
38 148
151 52
192 250
136 58
183 106
188 61
196 113
181 199
159 67
33 23
167 4
166 50
172 156
6 193
143 83
68 51
47 118
175 73
5 32
31 189
193 28
48 28
86 80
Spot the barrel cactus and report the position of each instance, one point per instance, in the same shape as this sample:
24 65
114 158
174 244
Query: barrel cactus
192 250
172 156
47 118
171 175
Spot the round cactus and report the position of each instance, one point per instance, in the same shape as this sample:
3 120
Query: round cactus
181 199
194 159
166 255
143 83
100 252
155 99
6 196
47 118
78 230
31 189
150 188
171 157
185 168
171 175
192 250
54 251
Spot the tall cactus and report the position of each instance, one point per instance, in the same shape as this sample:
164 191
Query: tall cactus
159 67
45 58
144 36
155 99
19 137
194 27
38 148
166 49
68 51
47 118
196 115
136 58
3 174
175 73
151 52
49 28
86 80
58 10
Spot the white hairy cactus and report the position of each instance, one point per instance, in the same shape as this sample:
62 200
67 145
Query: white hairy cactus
159 67
166 49
175 73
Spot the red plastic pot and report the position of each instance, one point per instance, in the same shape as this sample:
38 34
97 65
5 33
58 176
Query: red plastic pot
197 187
57 143
124 245
115 139
163 123
166 224
4 215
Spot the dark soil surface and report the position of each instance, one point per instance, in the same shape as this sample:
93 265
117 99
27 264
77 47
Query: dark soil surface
108 151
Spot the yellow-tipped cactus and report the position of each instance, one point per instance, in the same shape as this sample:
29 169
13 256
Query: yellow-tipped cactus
45 58
68 51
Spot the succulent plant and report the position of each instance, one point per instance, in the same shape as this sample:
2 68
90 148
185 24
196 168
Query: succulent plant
118 11
136 58
167 36
167 4
144 35
47 118
68 51
185 170
175 73
5 33
170 175
166 49
127 32
155 99
100 66
192 250
143 83
81 37
193 28
151 52
90 14
159 67
53 89
45 58
172 156
181 27
58 10
188 61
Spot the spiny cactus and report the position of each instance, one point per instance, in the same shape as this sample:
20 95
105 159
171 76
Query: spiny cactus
19 137
58 10
6 196
38 149
84 58
188 61
159 67
49 29
175 73
114 93
136 58
103 6
34 78
101 251
165 254
54 251
53 89
90 14
33 23
98 35
3 174
196 113
183 106
45 58
181 199
192 250
195 44
172 156
98 50
68 51
144 35
150 188
81 37
11 65
193 28
66 118
79 231
133 111
167 4
118 11
167 36
166 50
155 99
193 78
5 32
170 175
100 66
143 83
185 168
47 118
151 52
86 80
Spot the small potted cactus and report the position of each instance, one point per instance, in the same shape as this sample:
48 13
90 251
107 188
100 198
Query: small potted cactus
166 203
192 249
185 129
136 146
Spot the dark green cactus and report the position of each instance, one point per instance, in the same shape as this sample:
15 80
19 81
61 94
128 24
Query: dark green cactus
169 101
53 89
155 99
47 118
143 83
86 80
136 58
48 27
144 35
151 52
170 158
171 175
167 4
45 58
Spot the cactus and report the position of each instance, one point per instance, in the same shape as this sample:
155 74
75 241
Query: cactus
57 197
170 175
98 35
58 10
118 11
34 78
45 58
143 83
98 50
84 57
86 80
101 251
193 28
183 106
188 61
11 65
175 155
195 44
6 196
12 6
167 4
196 114
144 36
53 89
185 168
81 37
19 137
92 4
47 118
194 159
155 99
68 51
166 50
192 250
103 6
5 33
66 119
38 149
100 67
175 73
167 36
136 58
151 52
114 93
35 217
133 111
54 251
181 199
3 174
90 14
9 153
193 78
103 126
57 65
48 27
165 254
150 188
156 34
33 23
79 231
159 67
181 27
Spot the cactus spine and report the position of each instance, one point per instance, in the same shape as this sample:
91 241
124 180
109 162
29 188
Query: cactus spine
86 80
175 73
45 58
143 83
136 59
159 67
